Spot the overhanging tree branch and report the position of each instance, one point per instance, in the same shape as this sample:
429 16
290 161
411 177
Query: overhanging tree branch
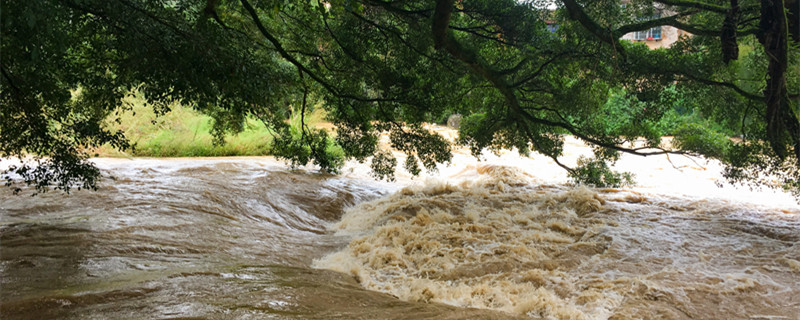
400 37
302 68
732 86
695 4
647 24
8 78
540 69
445 40
605 34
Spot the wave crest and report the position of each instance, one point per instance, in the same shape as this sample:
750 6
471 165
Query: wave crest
495 242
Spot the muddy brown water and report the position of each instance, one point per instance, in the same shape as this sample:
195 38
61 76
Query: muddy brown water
244 239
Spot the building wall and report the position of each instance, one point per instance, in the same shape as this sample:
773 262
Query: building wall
669 35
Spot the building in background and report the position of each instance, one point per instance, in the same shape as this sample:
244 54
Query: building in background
657 37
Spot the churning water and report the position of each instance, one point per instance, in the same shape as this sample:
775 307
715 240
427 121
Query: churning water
246 238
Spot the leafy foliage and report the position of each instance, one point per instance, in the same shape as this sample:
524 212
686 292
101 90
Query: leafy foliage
181 132
597 173
379 67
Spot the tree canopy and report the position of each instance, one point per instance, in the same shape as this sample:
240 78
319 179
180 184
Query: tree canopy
390 66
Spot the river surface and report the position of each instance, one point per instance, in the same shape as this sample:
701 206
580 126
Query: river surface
247 238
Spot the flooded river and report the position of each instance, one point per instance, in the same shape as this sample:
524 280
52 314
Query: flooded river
246 238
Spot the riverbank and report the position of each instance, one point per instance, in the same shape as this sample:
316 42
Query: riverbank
677 176
181 132
185 132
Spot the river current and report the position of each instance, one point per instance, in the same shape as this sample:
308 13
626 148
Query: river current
247 238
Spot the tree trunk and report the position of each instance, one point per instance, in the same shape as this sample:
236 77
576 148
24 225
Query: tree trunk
730 48
780 118
793 6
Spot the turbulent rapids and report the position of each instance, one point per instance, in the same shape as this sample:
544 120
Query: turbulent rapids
495 243
247 238
503 243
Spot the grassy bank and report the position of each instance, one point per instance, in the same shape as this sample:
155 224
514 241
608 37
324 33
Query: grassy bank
182 132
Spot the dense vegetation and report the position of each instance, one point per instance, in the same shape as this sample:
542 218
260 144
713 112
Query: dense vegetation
388 66
185 132
181 132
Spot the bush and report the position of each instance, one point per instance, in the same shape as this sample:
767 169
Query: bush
700 138
597 173
180 132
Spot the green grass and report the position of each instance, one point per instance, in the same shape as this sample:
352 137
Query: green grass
182 132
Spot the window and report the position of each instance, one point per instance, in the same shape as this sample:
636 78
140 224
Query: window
650 34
